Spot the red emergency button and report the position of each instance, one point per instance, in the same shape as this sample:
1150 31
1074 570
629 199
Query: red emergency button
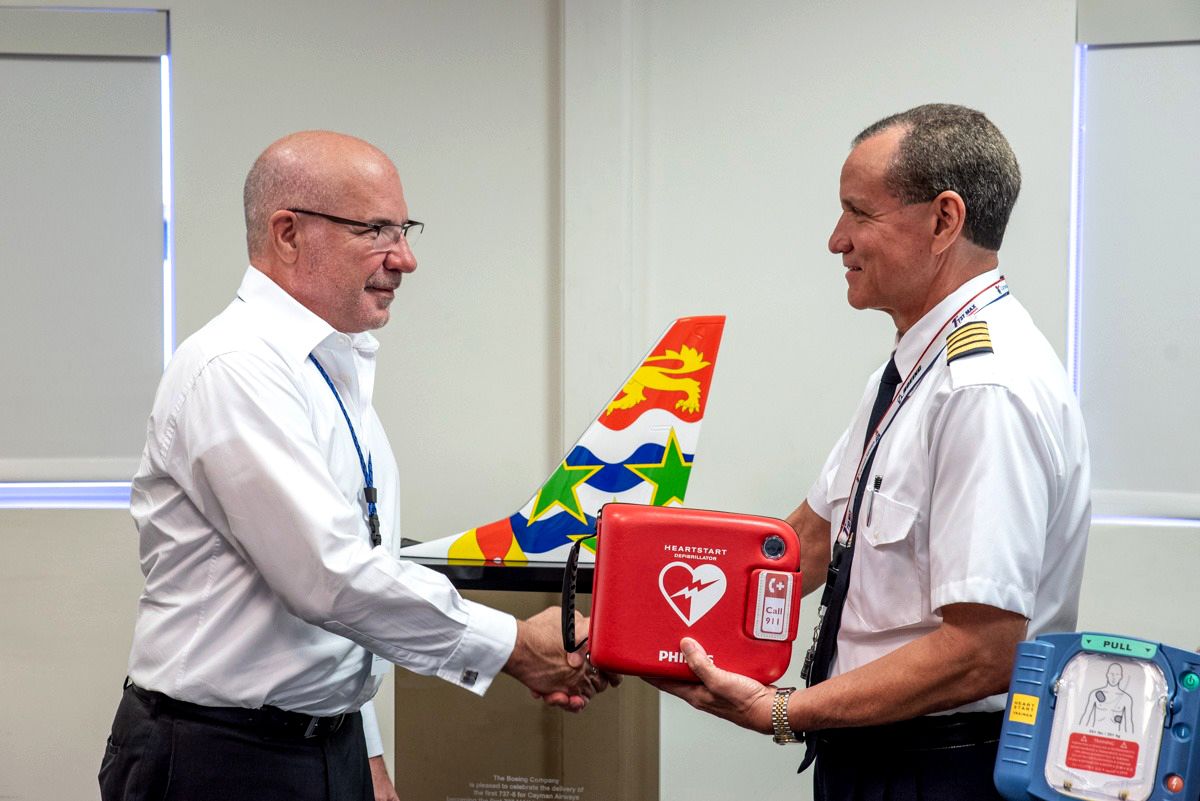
1174 783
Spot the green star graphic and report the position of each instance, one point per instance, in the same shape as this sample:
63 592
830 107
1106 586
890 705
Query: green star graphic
669 477
562 490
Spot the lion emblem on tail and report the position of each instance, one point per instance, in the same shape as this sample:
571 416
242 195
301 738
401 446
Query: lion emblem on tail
666 379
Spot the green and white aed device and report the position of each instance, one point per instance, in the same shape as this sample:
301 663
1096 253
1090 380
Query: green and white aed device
1101 717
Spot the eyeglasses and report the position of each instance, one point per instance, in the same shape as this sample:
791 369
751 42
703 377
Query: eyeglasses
386 235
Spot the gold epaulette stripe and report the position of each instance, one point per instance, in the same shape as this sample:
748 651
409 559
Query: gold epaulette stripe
960 354
972 338
978 325
970 342
969 330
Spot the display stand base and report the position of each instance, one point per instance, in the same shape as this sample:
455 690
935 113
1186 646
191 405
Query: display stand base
454 746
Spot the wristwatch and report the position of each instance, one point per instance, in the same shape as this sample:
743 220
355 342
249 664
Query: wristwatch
779 717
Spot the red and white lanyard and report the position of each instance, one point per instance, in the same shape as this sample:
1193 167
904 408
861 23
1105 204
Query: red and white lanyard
984 298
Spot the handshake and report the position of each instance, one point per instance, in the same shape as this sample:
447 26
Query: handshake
538 660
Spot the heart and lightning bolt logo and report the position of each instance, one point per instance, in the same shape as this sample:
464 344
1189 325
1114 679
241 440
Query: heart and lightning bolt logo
691 592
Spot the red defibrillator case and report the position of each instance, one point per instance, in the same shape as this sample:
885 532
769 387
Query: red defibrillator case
730 581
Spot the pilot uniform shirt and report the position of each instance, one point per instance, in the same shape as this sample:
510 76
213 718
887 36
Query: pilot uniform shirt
979 492
262 587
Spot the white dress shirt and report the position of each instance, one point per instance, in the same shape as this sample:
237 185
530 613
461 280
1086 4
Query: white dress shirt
261 583
983 490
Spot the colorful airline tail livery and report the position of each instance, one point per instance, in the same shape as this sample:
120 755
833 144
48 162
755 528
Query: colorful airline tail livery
640 449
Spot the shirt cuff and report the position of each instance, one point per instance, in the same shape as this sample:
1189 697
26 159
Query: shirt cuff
371 730
1009 597
483 650
818 500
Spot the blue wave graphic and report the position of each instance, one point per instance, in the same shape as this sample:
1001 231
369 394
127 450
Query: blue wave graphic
548 533
615 476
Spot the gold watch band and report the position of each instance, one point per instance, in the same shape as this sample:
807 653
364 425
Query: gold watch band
779 717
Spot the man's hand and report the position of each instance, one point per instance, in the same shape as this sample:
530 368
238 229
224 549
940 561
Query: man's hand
727 695
381 781
539 662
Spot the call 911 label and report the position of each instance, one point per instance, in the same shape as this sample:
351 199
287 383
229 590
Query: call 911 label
773 606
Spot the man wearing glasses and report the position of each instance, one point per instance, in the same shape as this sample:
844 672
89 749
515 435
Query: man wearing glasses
267 502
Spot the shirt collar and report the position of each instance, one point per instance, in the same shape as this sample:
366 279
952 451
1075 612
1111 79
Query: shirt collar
288 326
911 345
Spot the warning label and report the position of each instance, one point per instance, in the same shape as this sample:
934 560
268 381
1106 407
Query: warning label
1102 755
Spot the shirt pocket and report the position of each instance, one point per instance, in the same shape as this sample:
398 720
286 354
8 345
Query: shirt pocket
885 580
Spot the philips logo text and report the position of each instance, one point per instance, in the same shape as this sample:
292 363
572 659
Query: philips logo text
675 657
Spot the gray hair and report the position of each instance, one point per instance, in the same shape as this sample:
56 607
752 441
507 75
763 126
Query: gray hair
284 175
948 147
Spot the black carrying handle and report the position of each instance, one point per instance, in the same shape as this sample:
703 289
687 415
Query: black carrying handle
568 599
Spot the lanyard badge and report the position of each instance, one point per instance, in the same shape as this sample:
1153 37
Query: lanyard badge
986 297
370 492
838 577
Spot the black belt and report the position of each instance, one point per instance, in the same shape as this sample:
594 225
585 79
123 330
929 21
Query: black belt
928 733
268 721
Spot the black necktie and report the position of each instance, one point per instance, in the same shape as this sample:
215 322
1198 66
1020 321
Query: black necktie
883 398
837 581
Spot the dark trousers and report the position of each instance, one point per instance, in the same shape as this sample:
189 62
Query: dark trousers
160 750
938 758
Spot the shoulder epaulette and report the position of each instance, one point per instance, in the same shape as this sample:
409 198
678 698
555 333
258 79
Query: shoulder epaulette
968 340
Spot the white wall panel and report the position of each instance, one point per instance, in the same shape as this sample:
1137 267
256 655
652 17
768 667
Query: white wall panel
1123 22
1141 581
81 255
67 32
1139 373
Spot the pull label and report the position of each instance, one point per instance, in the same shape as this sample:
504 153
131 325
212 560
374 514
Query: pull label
1102 643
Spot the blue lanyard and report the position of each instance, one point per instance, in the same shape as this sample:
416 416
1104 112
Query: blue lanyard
369 492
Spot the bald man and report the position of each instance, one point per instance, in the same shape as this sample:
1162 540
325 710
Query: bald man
267 504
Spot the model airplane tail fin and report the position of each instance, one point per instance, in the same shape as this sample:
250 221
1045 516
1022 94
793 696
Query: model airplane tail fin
639 449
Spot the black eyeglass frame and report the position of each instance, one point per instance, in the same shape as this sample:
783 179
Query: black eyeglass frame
376 227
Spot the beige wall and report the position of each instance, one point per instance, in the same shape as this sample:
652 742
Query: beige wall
587 170
69 581
465 97
741 122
